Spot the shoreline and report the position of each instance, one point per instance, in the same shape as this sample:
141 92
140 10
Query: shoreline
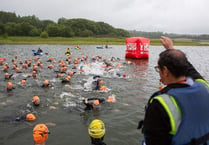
92 41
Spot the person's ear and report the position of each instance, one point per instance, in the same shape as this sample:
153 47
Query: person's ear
166 71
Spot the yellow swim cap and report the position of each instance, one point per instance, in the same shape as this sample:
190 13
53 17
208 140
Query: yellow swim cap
40 133
96 129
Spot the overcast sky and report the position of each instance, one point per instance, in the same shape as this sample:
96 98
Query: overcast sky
171 16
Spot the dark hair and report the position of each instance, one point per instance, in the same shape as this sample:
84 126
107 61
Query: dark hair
175 60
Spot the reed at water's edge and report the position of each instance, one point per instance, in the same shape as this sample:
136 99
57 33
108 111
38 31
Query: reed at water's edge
92 41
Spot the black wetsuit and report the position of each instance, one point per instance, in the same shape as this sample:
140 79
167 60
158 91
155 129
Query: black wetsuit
89 103
30 108
95 84
10 76
95 141
39 50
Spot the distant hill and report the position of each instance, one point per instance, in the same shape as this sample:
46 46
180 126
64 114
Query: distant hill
156 35
13 25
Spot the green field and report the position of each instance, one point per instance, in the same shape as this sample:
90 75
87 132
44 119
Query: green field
91 41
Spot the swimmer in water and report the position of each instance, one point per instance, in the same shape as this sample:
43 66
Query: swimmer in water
39 50
68 52
10 86
93 103
23 82
65 79
27 114
96 132
7 76
40 134
46 84
36 101
26 117
96 84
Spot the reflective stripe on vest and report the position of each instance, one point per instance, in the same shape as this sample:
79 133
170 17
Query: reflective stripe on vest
172 109
202 81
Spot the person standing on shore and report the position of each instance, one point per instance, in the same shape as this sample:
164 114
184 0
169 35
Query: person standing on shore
179 113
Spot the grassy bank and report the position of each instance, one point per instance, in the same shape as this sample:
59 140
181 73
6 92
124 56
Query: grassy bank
62 40
91 41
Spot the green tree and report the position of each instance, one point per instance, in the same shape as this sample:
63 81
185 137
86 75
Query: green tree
62 21
2 29
35 32
45 23
66 31
53 30
12 29
25 28
44 34
32 20
6 17
122 33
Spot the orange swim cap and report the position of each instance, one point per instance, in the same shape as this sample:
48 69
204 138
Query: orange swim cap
9 85
23 82
40 133
118 65
46 82
111 99
30 117
6 75
102 88
100 81
60 75
17 69
50 66
36 100
96 102
71 73
5 67
68 78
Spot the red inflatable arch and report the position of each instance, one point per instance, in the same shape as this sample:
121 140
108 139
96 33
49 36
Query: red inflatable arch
137 47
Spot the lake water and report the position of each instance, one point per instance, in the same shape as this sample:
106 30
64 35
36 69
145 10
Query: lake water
68 123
